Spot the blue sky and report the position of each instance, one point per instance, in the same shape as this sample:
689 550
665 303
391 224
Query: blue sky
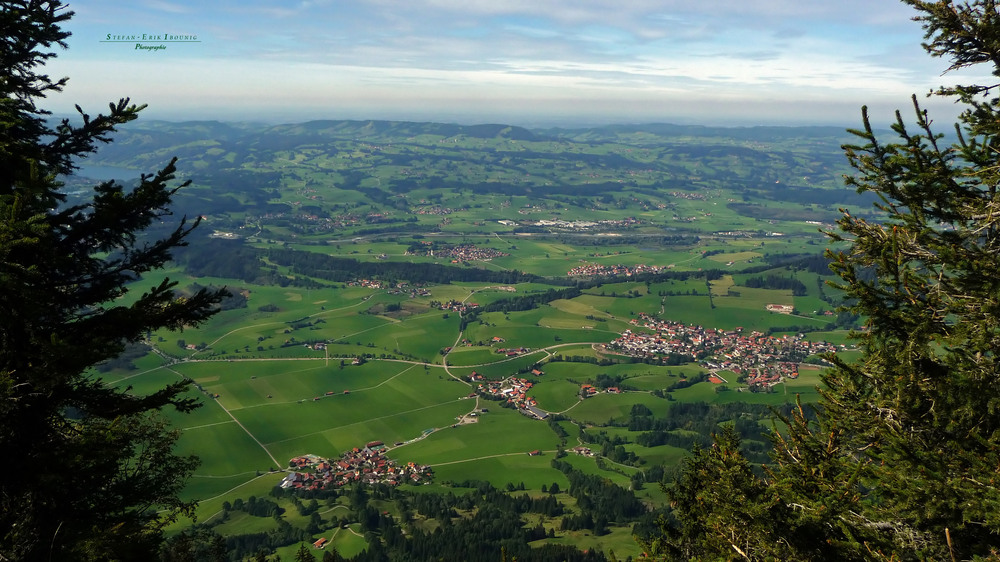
526 62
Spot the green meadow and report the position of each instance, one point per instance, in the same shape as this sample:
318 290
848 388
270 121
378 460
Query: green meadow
500 432
267 396
307 361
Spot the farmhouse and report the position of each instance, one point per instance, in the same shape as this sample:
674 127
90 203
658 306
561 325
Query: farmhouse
513 391
513 351
536 411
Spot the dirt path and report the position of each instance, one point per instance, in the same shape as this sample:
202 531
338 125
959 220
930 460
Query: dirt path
243 427
485 457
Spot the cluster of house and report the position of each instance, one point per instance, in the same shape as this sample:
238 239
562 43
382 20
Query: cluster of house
372 218
505 288
398 288
763 377
367 283
513 351
764 359
432 210
345 220
402 289
512 390
367 465
593 269
462 252
691 196
318 223
588 390
457 306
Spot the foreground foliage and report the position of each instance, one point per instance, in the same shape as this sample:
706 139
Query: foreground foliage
96 462
902 463
477 522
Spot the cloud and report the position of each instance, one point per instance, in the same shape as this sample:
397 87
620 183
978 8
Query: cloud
510 53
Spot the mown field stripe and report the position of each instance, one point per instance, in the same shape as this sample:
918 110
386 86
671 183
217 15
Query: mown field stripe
230 414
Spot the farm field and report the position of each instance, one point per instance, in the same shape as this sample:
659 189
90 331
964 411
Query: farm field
370 304
271 394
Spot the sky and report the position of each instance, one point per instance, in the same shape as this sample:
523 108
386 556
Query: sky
520 62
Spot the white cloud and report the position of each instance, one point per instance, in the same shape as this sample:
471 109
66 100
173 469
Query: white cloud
587 56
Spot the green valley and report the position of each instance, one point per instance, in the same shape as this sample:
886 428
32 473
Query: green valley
384 276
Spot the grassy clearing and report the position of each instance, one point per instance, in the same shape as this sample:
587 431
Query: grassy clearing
211 506
472 356
555 395
735 257
225 450
618 540
286 420
516 469
499 432
605 407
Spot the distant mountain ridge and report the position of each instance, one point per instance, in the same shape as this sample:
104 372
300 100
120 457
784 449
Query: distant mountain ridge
322 165
361 130
381 129
148 143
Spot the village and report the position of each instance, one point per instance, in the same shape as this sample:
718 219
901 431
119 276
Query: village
367 465
762 359
460 252
594 270
455 306
513 391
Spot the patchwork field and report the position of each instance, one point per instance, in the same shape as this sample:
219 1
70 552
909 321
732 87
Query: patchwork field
375 267
268 398
324 370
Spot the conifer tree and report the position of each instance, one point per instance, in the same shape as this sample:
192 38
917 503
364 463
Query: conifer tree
903 460
725 508
88 466
303 554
